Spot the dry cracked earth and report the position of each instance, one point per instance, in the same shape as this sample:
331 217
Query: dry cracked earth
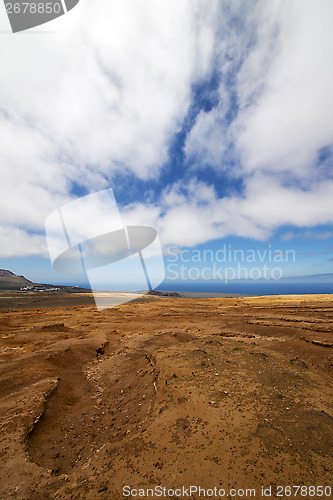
223 392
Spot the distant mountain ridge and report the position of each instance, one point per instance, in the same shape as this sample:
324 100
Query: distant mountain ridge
10 281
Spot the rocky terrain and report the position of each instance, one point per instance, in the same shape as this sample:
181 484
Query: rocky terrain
219 393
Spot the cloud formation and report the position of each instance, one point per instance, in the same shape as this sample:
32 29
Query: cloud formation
105 94
319 235
190 214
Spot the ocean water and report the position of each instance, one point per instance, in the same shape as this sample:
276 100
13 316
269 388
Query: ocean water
250 287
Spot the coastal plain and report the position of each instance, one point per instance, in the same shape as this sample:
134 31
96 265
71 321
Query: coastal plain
214 392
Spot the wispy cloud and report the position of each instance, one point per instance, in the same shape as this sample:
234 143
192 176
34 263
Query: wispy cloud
307 235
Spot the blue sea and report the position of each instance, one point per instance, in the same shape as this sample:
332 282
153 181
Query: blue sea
251 287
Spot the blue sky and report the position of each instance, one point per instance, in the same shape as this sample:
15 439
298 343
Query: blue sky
211 121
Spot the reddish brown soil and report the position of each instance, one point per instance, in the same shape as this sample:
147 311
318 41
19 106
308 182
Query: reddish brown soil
225 393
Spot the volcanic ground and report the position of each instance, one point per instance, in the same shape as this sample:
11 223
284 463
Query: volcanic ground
215 392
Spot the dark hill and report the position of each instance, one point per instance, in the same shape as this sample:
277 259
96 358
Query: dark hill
10 281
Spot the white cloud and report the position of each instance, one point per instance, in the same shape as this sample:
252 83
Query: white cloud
293 118
283 90
321 235
109 88
272 205
106 92
209 139
281 95
103 93
191 213
17 242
